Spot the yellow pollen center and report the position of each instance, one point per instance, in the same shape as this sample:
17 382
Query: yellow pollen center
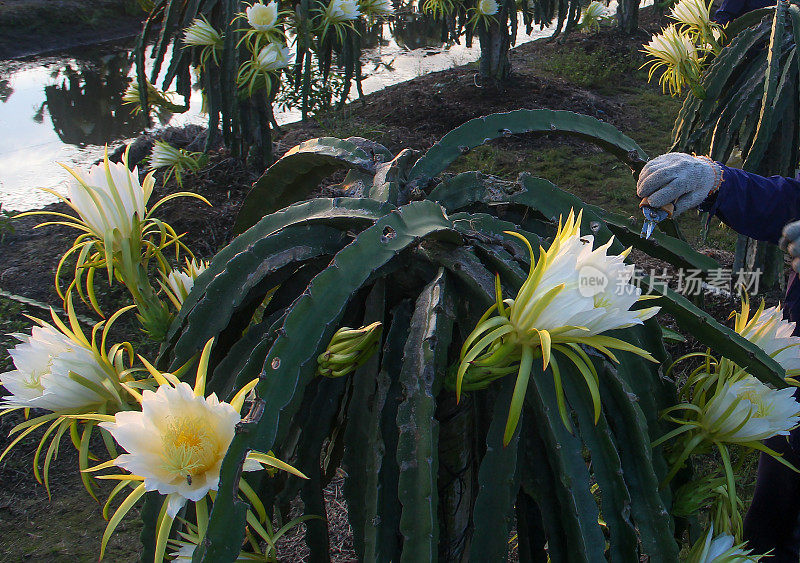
190 447
34 381
762 408
601 300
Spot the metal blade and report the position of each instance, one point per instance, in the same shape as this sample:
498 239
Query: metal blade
647 228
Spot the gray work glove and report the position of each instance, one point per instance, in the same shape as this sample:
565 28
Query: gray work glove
790 242
678 178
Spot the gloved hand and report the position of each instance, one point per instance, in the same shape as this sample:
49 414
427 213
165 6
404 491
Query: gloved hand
678 178
790 243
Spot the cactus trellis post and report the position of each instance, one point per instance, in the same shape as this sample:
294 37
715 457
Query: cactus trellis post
418 249
628 16
495 42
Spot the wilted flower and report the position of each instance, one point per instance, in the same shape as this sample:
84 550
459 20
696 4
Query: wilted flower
572 294
748 411
487 7
273 57
201 34
772 333
676 52
180 282
261 17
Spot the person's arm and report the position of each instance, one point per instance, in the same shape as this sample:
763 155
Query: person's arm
729 10
753 205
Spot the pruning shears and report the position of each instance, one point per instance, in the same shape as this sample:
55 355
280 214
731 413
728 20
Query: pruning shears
653 216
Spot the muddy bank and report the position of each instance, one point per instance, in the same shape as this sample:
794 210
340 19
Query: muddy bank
33 27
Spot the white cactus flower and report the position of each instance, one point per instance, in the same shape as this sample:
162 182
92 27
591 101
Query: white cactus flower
338 11
721 549
571 296
175 445
487 7
376 8
180 282
607 279
694 13
109 198
261 17
177 442
595 13
200 33
772 333
676 52
274 56
672 47
53 372
748 411
586 291
164 155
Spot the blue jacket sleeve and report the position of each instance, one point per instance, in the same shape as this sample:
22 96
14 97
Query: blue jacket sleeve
732 9
753 205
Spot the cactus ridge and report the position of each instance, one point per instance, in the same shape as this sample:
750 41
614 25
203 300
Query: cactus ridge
427 479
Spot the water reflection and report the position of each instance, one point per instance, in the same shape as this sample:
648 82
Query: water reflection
5 90
66 108
85 102
412 31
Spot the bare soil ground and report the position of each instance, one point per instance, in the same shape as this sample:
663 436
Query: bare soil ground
31 27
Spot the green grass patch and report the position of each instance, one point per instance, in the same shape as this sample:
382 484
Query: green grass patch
594 175
598 68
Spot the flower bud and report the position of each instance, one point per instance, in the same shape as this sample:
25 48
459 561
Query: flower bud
349 349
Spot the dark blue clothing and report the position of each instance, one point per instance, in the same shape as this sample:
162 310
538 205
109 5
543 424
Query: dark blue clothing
732 9
759 208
